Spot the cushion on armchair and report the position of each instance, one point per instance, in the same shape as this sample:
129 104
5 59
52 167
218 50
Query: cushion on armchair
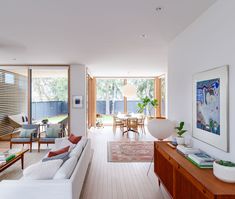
74 139
26 133
53 131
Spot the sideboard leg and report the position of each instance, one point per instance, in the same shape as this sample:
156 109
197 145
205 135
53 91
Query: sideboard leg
159 183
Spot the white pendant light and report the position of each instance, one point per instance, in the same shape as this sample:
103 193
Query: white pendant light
129 90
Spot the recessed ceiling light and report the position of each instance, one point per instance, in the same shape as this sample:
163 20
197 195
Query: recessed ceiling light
158 9
144 36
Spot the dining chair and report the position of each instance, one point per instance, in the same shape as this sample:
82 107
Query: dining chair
141 123
117 122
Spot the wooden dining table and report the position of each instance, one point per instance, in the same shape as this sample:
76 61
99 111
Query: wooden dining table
126 117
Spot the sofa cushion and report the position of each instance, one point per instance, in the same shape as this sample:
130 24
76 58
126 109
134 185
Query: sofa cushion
74 139
66 170
26 133
77 150
42 170
63 142
63 156
60 151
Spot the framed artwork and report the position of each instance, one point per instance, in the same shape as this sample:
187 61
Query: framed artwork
210 107
77 102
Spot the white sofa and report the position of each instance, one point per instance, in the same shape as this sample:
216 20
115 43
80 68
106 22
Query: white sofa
50 189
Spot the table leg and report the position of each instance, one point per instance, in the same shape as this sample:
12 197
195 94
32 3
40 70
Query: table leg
22 161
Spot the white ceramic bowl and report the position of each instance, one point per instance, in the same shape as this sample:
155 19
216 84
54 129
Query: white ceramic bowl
224 173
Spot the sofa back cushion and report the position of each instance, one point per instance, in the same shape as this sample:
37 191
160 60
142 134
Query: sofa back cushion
42 170
66 170
58 152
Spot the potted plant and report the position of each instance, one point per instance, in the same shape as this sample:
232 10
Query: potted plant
224 170
180 131
149 103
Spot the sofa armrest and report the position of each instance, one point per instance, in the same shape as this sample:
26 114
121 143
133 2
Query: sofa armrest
36 189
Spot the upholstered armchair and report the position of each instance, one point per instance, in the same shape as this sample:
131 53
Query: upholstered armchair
52 132
28 134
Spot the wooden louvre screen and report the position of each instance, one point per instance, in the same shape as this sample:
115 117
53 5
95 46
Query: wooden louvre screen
13 98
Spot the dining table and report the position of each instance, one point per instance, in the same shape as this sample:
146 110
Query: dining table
126 117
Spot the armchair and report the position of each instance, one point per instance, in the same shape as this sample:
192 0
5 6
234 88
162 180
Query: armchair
29 136
52 132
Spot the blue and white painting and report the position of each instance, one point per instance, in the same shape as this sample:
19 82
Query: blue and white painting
208 105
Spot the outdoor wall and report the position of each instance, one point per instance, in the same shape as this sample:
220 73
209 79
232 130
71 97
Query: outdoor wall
78 117
207 43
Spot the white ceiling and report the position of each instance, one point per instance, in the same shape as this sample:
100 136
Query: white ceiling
105 35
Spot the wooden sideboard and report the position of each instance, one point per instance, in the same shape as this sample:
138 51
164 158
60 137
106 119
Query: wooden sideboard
183 180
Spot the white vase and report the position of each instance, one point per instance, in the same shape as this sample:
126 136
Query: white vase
180 140
224 173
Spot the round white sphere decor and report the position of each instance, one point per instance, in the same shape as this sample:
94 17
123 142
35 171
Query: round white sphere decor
161 128
224 173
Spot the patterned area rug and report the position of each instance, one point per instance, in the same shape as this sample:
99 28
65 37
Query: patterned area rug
131 151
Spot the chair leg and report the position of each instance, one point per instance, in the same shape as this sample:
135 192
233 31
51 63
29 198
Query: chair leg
39 147
10 145
30 147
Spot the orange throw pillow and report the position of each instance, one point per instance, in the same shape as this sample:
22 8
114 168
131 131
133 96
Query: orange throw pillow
58 152
74 139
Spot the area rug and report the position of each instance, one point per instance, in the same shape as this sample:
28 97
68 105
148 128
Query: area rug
130 151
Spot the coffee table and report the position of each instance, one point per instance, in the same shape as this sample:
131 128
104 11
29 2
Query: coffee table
19 156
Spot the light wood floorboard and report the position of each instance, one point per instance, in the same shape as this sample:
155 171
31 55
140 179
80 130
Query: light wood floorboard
108 180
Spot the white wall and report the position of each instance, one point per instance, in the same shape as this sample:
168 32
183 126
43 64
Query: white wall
78 87
207 43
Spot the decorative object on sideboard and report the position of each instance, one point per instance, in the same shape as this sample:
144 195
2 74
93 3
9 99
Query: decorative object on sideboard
180 131
77 101
160 129
224 170
210 107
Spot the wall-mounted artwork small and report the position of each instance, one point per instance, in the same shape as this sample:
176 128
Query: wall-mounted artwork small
210 107
77 102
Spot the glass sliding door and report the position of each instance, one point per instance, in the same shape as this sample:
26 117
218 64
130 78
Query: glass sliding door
109 98
13 95
49 94
144 87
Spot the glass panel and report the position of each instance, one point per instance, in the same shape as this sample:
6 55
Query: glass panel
49 94
144 87
163 96
109 98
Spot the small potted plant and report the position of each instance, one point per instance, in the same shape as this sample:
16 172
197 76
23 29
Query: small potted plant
224 170
180 131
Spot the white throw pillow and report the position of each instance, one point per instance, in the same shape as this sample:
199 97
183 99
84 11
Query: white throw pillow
77 150
42 170
64 143
66 170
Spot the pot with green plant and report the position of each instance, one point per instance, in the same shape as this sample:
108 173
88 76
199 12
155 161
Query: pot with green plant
147 104
224 170
180 131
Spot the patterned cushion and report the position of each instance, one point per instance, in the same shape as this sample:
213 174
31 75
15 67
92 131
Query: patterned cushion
47 140
53 131
20 140
26 133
